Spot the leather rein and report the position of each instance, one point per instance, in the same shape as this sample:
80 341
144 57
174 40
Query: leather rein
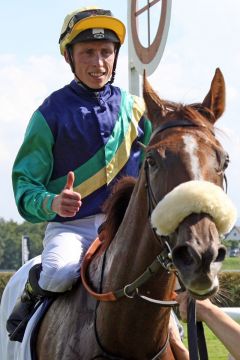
163 260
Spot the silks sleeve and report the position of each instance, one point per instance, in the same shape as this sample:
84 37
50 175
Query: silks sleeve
147 131
32 170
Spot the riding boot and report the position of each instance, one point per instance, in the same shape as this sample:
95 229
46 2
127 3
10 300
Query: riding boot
26 305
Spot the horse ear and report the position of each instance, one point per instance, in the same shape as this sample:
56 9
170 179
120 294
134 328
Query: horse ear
215 99
155 106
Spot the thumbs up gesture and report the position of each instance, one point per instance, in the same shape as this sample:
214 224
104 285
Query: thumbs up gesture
68 202
70 181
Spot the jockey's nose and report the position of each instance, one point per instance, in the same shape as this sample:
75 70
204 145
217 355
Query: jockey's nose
98 58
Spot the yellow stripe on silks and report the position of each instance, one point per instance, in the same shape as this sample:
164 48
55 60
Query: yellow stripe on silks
108 173
92 184
123 152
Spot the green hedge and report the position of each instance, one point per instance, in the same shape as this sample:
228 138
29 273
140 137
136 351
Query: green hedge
229 294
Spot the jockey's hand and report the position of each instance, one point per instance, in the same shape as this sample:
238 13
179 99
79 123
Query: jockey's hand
68 202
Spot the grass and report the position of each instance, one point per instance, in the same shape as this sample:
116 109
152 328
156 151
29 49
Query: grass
231 263
216 350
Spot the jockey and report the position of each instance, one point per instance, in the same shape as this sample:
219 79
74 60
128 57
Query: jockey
78 143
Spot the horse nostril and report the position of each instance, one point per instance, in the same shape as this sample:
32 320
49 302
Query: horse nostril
221 254
183 256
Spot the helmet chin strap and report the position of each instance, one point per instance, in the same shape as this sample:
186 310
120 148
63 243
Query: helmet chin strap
115 64
71 63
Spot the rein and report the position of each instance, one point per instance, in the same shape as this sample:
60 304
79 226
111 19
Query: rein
129 290
196 337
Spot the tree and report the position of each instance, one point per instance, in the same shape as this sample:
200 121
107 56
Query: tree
11 242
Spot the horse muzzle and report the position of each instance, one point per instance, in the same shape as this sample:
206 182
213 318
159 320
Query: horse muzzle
198 266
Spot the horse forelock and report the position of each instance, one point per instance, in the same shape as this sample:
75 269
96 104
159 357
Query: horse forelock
197 113
201 117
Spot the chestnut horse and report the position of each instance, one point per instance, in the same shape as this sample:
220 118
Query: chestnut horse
172 224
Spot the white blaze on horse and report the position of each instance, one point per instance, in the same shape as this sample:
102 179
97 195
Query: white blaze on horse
170 220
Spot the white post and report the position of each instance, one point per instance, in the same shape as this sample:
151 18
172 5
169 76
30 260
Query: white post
151 55
134 86
233 312
133 76
25 251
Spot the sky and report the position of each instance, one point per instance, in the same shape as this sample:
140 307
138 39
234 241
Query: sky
203 35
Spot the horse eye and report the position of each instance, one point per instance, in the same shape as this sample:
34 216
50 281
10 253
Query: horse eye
151 161
226 162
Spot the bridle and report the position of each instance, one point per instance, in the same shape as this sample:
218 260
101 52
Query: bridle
164 259
196 338
152 201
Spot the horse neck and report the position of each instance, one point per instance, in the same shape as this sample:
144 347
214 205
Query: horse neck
129 245
132 250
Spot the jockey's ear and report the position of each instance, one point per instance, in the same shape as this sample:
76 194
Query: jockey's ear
156 110
215 99
66 56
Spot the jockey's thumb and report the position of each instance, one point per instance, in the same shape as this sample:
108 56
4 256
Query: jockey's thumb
70 181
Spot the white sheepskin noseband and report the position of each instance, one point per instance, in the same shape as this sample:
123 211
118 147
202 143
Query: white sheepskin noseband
194 197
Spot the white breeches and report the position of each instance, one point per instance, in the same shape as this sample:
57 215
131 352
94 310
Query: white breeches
64 247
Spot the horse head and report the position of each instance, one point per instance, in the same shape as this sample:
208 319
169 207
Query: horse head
184 167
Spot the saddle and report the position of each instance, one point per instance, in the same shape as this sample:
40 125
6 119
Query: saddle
47 302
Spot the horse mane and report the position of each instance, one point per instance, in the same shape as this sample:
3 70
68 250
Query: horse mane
115 206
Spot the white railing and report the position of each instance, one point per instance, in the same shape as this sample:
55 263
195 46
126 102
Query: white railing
233 312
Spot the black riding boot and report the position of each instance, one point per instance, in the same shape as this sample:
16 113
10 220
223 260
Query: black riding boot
26 305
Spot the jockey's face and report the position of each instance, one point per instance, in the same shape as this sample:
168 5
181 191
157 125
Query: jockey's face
93 62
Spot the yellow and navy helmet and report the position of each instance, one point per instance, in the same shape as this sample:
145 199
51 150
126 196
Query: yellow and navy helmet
88 24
